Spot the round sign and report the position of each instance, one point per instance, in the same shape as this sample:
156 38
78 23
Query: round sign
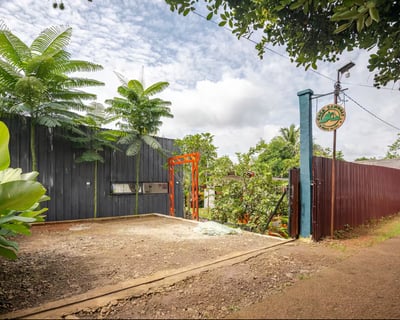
330 117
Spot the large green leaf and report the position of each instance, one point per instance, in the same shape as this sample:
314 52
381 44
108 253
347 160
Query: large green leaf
8 243
17 228
134 148
8 253
4 139
152 142
13 217
52 39
20 195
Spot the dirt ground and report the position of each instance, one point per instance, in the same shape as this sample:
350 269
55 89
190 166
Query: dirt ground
63 260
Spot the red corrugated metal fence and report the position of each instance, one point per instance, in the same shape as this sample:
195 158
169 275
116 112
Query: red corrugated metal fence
363 192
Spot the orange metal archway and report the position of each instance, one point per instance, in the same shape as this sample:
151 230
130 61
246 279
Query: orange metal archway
194 159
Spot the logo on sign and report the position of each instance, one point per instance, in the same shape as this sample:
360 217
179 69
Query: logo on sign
330 117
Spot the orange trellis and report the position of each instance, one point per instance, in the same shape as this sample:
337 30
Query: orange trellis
192 158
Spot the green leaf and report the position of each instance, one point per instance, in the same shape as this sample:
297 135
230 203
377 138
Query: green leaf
374 13
4 139
134 148
13 217
346 15
342 27
7 253
209 16
222 23
360 23
17 228
20 195
8 243
153 143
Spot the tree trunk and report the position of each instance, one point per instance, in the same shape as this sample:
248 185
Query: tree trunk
32 145
95 190
137 183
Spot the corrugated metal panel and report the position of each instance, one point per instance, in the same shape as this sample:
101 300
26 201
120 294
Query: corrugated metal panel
363 192
71 185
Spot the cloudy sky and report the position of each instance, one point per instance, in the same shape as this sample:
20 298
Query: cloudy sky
218 84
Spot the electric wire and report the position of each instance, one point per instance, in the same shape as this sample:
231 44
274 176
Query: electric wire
286 57
371 113
316 72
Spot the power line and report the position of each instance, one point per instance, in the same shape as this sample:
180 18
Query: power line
286 57
316 72
371 113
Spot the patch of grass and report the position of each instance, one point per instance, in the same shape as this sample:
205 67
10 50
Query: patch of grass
367 235
304 276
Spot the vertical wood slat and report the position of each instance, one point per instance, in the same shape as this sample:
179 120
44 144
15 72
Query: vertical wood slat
65 180
363 193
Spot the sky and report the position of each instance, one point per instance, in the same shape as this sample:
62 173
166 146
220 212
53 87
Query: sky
218 84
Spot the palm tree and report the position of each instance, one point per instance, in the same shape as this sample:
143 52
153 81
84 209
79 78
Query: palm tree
93 140
34 80
291 135
141 117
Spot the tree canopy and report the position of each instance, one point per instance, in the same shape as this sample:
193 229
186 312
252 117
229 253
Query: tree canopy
314 31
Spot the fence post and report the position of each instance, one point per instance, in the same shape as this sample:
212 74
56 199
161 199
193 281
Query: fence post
305 161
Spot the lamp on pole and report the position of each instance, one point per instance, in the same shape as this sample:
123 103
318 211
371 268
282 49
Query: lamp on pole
340 71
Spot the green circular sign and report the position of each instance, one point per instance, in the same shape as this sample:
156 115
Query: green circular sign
330 117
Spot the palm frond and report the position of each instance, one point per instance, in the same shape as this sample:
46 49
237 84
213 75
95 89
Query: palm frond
136 86
81 82
152 142
73 95
79 66
13 50
129 139
155 88
52 39
90 156
8 77
121 78
134 148
48 121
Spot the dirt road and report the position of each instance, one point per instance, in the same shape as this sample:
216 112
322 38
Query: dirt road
350 278
363 286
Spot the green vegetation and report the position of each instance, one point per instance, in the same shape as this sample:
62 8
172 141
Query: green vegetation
20 195
35 81
140 117
394 149
93 140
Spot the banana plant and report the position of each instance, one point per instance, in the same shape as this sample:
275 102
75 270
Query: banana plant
20 195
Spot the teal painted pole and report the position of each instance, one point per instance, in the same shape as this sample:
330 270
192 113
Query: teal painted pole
305 162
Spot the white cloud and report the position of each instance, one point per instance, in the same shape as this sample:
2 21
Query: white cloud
217 83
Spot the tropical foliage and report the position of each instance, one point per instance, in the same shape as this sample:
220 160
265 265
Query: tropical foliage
20 195
315 31
92 140
394 149
202 143
35 81
139 117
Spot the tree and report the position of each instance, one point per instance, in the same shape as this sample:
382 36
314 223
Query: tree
140 117
394 149
291 135
35 81
20 195
315 31
202 143
93 140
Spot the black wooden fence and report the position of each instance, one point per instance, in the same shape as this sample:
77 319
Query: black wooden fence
71 185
